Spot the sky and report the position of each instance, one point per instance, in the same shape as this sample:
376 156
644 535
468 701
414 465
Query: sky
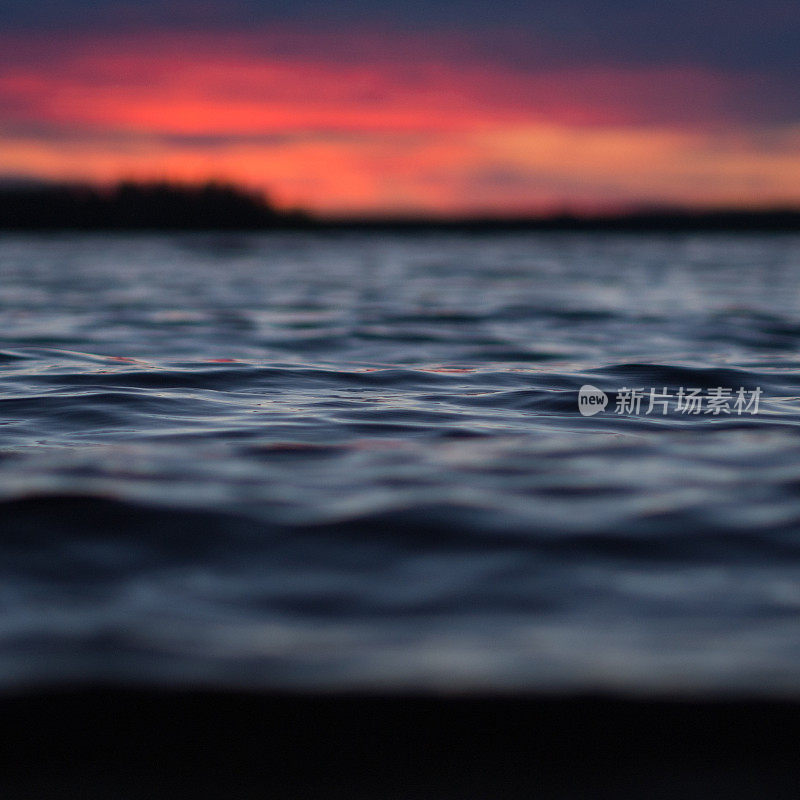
441 108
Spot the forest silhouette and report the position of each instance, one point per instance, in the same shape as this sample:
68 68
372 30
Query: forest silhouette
219 206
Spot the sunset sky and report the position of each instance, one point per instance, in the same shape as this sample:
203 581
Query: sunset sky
464 106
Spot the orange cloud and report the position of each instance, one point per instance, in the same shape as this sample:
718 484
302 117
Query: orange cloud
383 133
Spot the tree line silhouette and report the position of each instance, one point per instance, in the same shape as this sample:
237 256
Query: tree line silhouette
219 206
131 206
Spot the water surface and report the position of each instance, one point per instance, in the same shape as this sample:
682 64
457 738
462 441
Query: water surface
328 460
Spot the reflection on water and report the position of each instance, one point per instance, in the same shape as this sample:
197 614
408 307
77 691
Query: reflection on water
353 460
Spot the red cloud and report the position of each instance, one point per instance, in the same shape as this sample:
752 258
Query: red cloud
379 124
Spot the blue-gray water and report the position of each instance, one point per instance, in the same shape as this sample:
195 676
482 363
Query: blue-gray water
357 460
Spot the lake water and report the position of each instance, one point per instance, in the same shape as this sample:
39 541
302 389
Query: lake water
357 460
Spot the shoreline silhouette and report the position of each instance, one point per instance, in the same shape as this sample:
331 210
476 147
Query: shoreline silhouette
212 206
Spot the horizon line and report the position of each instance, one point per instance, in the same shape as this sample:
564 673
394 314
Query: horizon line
31 204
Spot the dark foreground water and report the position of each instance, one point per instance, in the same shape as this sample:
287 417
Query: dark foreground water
358 461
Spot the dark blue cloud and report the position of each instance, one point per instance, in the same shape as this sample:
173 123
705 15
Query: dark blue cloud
728 34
